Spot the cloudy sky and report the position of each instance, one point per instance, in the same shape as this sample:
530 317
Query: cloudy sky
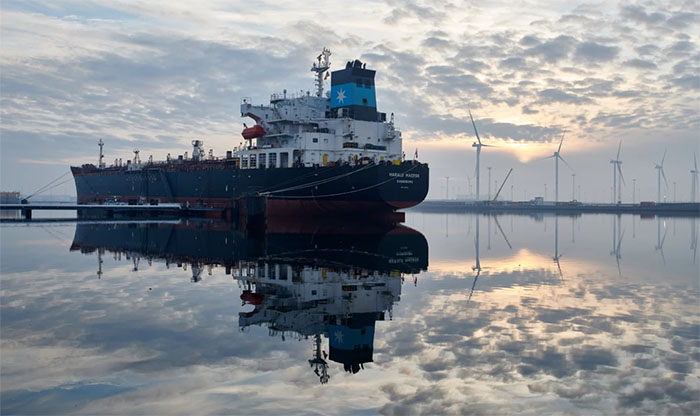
156 75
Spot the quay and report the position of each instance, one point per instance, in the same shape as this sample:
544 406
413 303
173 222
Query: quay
112 210
250 211
686 209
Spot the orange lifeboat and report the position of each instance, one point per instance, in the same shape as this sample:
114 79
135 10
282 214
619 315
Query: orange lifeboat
253 132
252 298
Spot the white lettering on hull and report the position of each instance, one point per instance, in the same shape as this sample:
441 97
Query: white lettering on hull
404 175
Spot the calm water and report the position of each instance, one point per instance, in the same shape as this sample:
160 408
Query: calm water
586 315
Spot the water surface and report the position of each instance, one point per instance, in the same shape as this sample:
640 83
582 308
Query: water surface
577 315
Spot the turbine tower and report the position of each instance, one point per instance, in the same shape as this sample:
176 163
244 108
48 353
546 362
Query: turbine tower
660 171
557 157
694 182
478 146
617 188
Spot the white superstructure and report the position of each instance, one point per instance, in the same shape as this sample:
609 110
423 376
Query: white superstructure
302 129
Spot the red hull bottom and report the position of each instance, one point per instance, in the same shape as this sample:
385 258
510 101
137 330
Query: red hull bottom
305 207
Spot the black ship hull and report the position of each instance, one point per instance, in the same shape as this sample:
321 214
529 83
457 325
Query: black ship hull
382 187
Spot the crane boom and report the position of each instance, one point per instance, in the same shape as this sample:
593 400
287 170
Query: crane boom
504 182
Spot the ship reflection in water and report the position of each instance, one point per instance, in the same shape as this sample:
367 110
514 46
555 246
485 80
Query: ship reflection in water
300 280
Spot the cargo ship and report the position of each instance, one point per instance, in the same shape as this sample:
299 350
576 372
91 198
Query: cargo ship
306 154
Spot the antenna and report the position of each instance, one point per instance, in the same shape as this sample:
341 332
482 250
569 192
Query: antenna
321 65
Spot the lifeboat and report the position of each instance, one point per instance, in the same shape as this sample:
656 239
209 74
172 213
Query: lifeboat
252 298
253 132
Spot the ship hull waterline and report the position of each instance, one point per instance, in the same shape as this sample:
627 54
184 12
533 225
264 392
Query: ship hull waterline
373 189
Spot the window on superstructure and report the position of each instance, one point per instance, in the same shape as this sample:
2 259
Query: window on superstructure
284 273
325 140
359 83
368 83
315 140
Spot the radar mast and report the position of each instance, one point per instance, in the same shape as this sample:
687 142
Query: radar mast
320 67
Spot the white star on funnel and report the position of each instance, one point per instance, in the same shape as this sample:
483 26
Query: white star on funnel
338 337
341 96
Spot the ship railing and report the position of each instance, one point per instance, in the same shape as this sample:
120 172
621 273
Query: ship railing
277 97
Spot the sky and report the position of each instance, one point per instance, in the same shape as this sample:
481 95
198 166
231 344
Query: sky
154 76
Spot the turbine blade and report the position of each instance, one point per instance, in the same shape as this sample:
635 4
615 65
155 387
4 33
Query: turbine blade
664 157
664 175
569 166
474 124
663 258
561 275
619 169
471 292
562 141
696 161
619 146
663 238
488 145
544 158
619 243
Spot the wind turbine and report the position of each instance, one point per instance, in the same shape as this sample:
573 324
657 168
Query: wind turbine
557 256
477 267
694 185
478 146
617 189
660 171
660 241
557 157
617 242
694 238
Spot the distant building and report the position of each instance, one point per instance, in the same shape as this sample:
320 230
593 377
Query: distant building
9 197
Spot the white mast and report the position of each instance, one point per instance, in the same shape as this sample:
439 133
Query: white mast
320 67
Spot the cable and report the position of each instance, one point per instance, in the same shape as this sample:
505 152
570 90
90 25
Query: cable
48 184
50 188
